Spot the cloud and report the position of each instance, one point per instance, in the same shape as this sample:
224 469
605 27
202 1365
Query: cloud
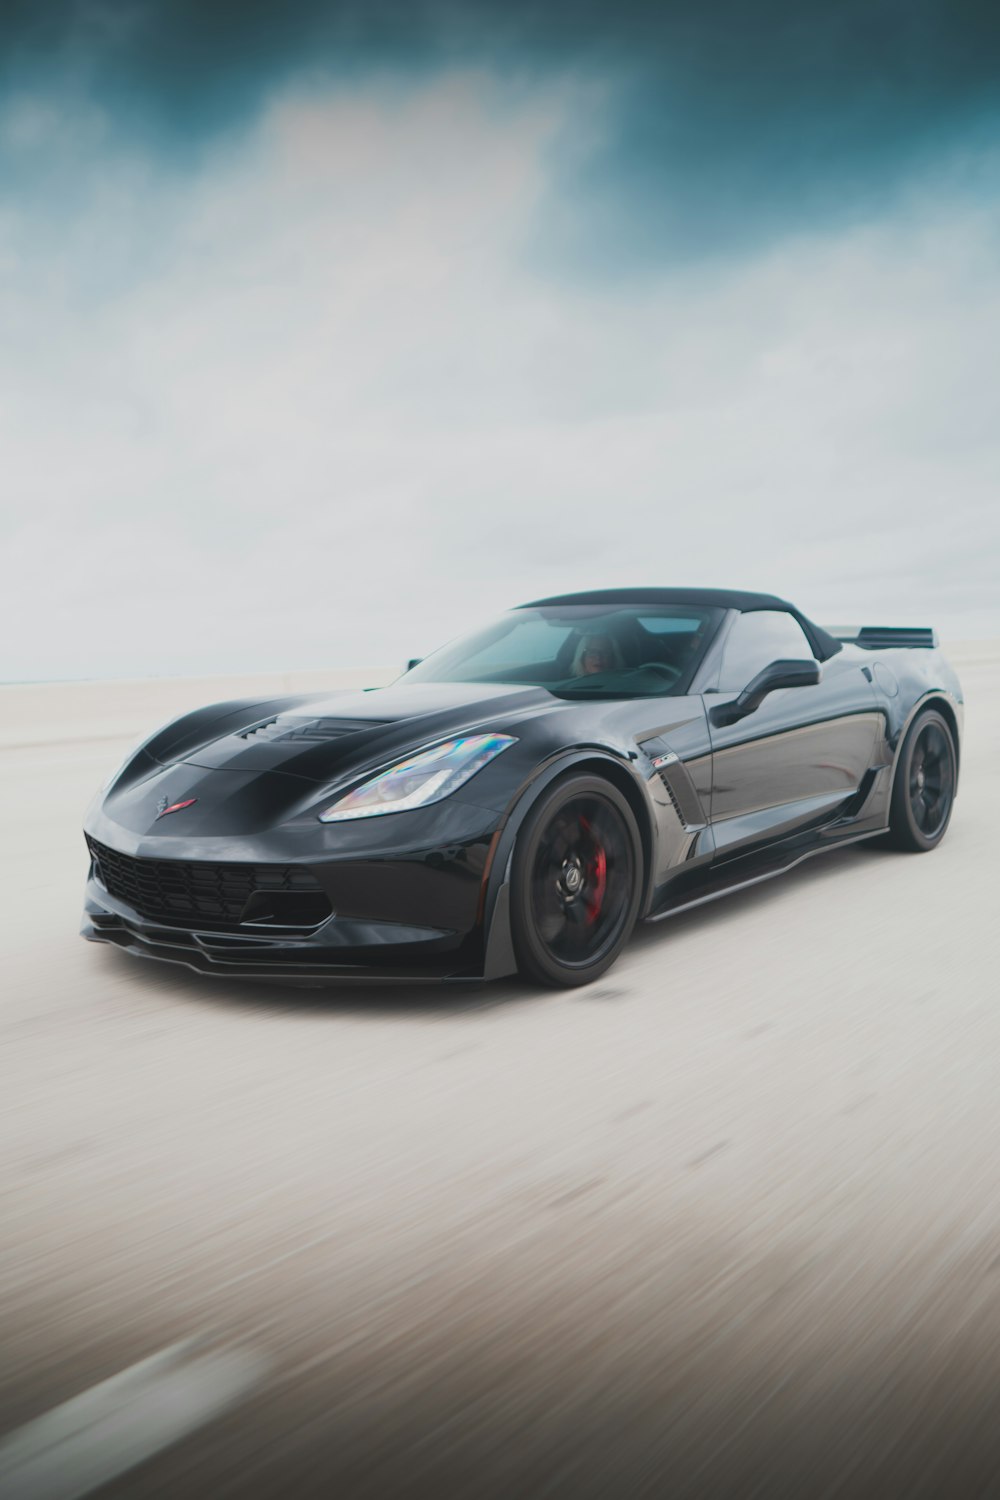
313 403
725 126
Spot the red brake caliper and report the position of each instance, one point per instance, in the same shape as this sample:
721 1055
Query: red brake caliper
597 878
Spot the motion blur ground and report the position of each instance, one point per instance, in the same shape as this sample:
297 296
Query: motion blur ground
724 1222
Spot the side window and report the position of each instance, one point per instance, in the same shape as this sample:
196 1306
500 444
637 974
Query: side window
757 639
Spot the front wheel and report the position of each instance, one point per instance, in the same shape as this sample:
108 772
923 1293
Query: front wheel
924 789
575 883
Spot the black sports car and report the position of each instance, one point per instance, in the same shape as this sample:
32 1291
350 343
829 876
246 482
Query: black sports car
518 800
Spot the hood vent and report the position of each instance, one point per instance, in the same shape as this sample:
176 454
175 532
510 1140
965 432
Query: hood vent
287 728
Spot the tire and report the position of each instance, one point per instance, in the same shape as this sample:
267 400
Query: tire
575 882
923 792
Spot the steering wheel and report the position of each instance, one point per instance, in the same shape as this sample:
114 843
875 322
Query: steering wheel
662 669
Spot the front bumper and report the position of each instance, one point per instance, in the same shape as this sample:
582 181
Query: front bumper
420 907
339 949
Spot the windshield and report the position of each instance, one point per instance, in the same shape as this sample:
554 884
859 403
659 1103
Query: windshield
582 650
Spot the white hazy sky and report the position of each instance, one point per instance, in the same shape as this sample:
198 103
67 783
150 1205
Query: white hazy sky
317 397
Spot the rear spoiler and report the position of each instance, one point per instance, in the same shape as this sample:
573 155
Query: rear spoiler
886 637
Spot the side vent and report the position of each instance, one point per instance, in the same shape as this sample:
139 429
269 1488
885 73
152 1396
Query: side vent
661 773
677 784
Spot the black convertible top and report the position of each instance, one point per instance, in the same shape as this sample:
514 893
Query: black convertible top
823 644
720 598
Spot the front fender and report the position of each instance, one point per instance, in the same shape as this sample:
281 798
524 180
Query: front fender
499 958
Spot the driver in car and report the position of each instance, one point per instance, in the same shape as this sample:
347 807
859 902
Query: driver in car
596 655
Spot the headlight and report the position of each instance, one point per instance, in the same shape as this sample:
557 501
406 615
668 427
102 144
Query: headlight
424 778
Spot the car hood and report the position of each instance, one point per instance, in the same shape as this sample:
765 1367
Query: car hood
326 738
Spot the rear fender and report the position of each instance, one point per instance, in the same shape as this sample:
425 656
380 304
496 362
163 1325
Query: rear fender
950 710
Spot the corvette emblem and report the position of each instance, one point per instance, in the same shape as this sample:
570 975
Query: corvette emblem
162 808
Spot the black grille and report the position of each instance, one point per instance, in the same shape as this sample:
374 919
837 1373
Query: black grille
177 890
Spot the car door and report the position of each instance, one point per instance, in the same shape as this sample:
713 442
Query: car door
798 758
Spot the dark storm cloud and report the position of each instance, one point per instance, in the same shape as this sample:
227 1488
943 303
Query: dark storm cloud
726 122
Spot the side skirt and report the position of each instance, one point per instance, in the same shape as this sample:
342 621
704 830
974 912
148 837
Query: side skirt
728 883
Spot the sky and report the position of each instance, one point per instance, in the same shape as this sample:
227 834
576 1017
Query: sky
328 331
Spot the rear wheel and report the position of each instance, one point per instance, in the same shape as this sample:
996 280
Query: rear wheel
575 883
923 792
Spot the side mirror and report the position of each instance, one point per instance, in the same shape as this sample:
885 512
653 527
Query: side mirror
779 674
414 661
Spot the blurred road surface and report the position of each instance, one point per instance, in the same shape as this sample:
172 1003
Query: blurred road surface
725 1223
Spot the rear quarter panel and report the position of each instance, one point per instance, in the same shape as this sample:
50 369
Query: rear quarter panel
907 682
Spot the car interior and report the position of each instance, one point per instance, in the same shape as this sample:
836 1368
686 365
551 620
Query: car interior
667 646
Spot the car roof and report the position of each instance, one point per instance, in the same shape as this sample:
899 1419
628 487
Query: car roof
823 644
720 598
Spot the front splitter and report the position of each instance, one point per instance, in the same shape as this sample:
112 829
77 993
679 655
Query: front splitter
186 950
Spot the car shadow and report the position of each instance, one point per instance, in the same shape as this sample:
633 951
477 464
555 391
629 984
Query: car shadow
393 998
816 870
449 998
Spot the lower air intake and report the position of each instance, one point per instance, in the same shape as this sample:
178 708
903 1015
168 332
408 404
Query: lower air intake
210 894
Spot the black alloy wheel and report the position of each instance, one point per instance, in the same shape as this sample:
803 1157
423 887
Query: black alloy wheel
575 884
923 792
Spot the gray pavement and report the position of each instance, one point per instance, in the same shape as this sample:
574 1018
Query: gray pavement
725 1223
